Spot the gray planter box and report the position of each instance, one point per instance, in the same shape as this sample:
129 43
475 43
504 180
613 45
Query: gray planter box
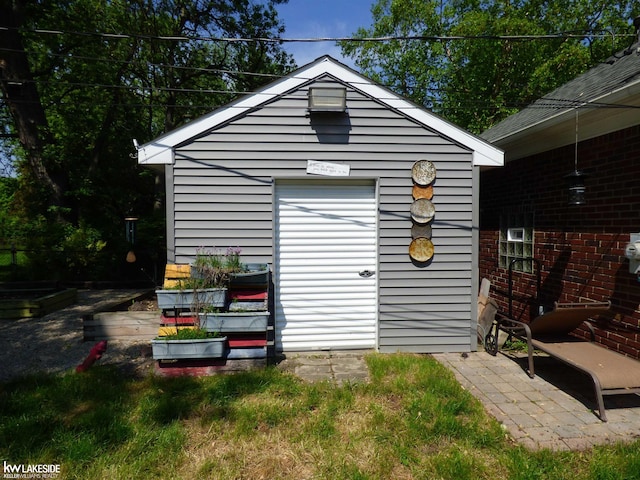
189 298
231 322
258 274
179 349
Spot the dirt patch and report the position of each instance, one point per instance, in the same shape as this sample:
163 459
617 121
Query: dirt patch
144 305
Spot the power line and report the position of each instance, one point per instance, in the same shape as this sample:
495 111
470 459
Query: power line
246 73
548 102
544 103
433 38
541 103
144 88
154 65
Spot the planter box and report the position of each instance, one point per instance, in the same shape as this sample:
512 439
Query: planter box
179 349
258 274
232 322
188 298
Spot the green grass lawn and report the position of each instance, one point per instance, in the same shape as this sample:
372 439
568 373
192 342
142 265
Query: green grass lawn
411 421
9 271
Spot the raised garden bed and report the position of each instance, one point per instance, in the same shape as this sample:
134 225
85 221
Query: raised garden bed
34 302
135 318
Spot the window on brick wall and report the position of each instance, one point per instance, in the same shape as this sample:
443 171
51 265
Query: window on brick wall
516 241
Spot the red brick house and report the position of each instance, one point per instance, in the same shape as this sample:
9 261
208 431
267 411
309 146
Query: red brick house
590 125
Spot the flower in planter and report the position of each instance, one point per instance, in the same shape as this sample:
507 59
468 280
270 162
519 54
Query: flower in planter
196 333
213 269
232 260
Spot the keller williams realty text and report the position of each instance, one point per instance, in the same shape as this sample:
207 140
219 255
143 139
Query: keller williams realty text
10 470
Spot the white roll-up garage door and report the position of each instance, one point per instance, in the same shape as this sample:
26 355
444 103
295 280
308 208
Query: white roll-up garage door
326 259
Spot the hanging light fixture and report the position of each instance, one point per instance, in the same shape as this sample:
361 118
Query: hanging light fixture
577 188
576 179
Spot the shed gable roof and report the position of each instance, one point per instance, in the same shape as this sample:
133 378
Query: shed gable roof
605 98
161 150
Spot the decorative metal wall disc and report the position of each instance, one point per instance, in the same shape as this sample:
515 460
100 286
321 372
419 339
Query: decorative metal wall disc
421 231
422 192
422 211
421 249
423 172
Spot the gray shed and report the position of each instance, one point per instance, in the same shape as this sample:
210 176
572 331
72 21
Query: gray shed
323 191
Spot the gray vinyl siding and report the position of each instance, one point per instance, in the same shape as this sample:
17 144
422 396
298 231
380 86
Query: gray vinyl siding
223 197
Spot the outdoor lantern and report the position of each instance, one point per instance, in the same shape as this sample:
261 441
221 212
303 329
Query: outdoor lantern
575 180
327 99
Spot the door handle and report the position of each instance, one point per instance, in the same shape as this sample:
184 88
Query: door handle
366 273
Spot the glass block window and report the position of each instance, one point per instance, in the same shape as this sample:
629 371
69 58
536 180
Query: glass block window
516 241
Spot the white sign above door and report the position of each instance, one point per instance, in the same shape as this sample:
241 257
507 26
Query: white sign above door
326 168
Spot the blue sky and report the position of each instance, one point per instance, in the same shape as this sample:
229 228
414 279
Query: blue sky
322 18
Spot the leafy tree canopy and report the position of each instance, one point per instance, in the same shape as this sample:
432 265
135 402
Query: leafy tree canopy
463 68
80 79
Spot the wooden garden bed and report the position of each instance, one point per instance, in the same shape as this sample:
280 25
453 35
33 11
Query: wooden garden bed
34 302
136 318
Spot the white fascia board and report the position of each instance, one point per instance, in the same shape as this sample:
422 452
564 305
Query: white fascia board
161 150
484 154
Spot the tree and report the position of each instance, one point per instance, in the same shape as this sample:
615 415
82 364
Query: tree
410 68
80 79
23 101
463 69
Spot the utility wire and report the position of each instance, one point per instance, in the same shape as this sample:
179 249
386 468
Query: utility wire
265 39
547 102
438 38
543 101
150 64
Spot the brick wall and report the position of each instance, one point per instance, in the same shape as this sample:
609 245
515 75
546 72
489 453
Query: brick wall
580 248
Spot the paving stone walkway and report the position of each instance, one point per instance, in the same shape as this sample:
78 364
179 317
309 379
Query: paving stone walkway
337 366
555 410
